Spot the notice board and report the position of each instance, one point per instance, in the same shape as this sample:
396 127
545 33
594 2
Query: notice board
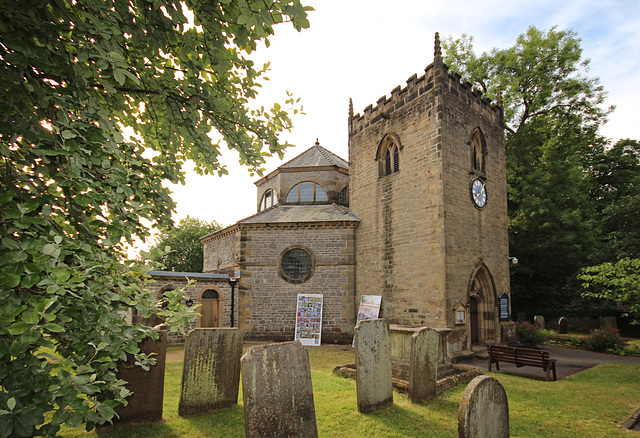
309 319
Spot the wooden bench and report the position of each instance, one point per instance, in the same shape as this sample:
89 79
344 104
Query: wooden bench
521 357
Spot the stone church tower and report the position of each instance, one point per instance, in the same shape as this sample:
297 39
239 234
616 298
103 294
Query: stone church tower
427 179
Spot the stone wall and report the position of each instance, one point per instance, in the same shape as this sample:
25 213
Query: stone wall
400 246
473 236
221 250
267 302
421 238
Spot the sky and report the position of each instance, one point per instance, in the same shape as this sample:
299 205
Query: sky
362 49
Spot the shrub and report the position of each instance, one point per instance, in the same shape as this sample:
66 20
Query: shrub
607 340
528 334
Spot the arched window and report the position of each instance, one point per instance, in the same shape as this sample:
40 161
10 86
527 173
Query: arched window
388 155
307 191
478 151
268 200
343 196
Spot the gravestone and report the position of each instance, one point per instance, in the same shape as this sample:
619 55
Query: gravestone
522 316
147 386
211 372
423 367
539 320
608 321
484 410
563 326
277 391
374 385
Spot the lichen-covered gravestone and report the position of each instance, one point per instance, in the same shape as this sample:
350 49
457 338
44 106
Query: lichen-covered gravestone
374 383
277 391
539 320
563 326
484 410
211 372
147 385
423 370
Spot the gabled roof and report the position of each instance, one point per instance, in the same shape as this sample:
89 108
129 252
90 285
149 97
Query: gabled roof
302 213
316 156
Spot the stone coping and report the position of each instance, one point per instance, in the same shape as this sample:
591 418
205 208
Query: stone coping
463 374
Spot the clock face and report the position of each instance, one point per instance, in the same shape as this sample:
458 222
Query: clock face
479 193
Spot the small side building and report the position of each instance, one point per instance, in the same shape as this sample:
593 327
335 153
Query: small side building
212 291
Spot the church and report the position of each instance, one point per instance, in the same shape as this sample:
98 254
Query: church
416 215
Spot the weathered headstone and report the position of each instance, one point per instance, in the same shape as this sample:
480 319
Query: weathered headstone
608 321
211 372
563 326
147 386
484 410
539 320
423 368
522 316
277 391
374 383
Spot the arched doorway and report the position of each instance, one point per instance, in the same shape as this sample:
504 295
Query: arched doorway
210 308
482 301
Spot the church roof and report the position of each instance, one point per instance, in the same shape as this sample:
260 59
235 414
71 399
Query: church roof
316 156
302 213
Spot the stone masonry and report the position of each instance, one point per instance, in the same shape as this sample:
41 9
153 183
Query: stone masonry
421 238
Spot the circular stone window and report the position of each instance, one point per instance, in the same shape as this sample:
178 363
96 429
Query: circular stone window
296 265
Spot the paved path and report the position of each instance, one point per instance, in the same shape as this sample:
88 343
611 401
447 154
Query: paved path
569 361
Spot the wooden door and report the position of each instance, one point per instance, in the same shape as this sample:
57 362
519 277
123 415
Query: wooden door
209 309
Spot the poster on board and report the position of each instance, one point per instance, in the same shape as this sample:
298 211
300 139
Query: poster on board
309 319
369 309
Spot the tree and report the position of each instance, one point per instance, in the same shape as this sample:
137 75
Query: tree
616 199
618 282
73 75
183 240
552 111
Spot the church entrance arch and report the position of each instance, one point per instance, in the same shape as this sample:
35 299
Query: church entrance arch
210 308
482 303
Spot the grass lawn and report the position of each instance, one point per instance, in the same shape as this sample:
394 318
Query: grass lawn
593 403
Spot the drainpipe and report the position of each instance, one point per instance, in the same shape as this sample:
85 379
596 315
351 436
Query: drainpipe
233 281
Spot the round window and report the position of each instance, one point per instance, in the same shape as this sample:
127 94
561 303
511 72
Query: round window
296 265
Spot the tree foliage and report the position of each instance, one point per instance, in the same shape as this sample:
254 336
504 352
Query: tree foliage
616 199
553 111
185 248
73 190
618 282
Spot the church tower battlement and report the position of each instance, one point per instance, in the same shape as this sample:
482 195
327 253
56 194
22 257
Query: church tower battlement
418 86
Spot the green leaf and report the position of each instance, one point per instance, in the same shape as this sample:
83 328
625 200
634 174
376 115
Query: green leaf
119 76
53 327
5 197
30 318
19 327
11 403
9 281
